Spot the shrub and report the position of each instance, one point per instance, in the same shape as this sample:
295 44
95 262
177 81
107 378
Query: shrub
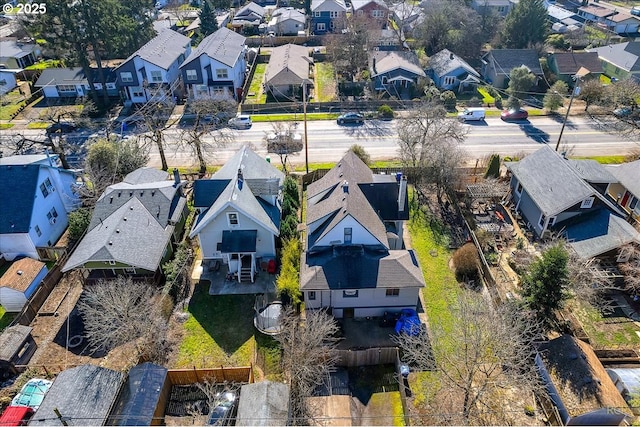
493 171
448 99
78 222
289 227
287 282
359 151
466 261
498 101
290 190
385 112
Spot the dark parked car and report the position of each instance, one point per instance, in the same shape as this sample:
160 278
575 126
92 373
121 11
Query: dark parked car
61 128
223 411
351 118
519 114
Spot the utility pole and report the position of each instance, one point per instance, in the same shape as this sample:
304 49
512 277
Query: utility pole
575 91
304 109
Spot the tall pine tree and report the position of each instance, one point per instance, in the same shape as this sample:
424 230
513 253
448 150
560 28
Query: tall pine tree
525 25
208 22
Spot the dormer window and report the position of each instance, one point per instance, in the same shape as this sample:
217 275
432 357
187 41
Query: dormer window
232 219
587 203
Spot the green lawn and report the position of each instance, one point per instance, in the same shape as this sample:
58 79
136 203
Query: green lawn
6 125
325 89
49 63
606 160
7 111
5 318
37 125
255 95
292 117
606 332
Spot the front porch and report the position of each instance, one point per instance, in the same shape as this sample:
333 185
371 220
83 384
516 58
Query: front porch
223 282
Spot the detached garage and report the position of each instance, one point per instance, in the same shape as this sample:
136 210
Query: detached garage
20 282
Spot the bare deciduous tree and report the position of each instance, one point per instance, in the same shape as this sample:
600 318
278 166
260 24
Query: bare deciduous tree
115 312
307 357
631 269
283 140
481 355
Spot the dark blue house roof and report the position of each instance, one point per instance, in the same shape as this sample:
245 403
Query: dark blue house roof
18 196
207 191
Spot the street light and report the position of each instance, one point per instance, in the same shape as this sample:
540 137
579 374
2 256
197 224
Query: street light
575 91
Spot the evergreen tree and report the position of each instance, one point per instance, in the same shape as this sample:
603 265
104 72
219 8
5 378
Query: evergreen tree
208 22
493 171
544 287
525 25
521 79
554 98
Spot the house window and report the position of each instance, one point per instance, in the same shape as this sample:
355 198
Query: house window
126 77
66 88
350 294
156 76
110 86
232 218
332 25
222 73
311 295
52 214
360 12
322 26
348 233
633 203
317 14
392 292
334 14
519 188
44 190
112 263
46 187
137 93
192 75
201 89
542 220
130 270
449 80
385 79
587 203
38 231
378 14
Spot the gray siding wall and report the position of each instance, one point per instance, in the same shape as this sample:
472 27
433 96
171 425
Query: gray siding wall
193 65
130 67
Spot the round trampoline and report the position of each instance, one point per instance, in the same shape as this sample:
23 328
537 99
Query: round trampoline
267 320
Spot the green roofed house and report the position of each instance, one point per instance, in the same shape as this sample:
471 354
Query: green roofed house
133 229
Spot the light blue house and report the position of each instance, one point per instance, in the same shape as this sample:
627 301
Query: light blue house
20 282
327 16
450 72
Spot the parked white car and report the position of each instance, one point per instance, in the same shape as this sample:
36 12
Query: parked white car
242 121
472 114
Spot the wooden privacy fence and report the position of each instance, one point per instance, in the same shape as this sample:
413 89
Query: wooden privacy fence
370 356
243 374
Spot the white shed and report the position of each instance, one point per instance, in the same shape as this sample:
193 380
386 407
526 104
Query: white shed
20 282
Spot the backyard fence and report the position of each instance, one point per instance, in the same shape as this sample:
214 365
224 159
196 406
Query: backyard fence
243 374
367 357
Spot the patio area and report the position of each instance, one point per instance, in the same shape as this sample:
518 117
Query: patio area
221 283
364 333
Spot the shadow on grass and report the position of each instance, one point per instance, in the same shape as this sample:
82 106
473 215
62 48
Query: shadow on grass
364 381
6 319
228 319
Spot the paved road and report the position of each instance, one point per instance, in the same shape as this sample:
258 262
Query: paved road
327 141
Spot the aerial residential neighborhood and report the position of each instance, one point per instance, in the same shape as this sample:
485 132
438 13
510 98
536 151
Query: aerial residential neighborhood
320 212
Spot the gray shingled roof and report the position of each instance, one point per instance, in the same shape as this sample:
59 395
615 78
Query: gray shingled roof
249 9
265 403
15 49
628 174
17 193
75 75
327 5
508 59
288 64
592 171
624 55
355 267
84 395
389 60
359 4
225 46
550 181
598 233
164 49
132 222
256 172
446 61
26 159
11 341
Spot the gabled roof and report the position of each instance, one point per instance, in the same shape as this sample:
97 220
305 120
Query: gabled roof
359 4
445 61
598 233
386 61
265 403
17 193
286 13
508 59
84 395
27 159
224 46
628 174
21 274
595 10
250 8
555 190
623 55
328 5
288 65
15 49
12 340
571 62
132 222
621 17
257 174
164 49
72 76
592 171
357 267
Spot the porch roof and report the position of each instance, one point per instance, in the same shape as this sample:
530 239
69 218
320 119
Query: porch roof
238 241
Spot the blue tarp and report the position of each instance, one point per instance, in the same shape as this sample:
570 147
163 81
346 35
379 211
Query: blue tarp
408 323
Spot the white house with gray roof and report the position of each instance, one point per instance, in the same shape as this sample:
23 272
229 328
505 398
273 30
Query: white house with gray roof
153 70
354 261
626 191
216 68
289 68
566 196
239 212
133 229
287 21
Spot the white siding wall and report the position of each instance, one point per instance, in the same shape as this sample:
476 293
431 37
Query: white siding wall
42 205
12 245
369 302
360 235
211 234
12 300
9 79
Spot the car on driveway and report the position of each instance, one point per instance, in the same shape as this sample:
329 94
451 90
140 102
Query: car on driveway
61 127
514 114
242 121
350 118
222 412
